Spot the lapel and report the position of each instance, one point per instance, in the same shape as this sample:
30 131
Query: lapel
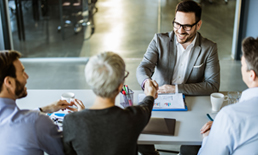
172 55
193 57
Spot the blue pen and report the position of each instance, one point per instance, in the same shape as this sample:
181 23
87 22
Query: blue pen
209 117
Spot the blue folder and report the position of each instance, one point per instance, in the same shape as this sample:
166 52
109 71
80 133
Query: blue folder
170 109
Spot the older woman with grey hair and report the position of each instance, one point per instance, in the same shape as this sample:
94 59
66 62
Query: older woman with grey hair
105 129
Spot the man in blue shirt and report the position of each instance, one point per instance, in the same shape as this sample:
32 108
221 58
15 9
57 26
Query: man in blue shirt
234 130
24 132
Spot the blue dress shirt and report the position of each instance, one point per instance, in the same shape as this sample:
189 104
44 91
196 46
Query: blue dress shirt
27 132
235 128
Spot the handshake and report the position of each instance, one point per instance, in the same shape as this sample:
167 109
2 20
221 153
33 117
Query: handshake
151 87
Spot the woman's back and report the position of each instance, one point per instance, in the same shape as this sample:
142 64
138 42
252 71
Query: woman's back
110 131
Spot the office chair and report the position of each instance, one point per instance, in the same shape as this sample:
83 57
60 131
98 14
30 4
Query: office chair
75 13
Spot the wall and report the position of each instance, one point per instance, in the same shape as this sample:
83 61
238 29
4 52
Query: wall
1 35
247 25
252 18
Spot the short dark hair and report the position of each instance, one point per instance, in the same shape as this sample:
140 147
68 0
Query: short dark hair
6 65
250 52
190 6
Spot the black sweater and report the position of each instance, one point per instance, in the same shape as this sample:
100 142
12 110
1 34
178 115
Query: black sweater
110 131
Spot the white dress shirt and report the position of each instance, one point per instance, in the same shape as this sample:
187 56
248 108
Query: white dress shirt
235 128
181 62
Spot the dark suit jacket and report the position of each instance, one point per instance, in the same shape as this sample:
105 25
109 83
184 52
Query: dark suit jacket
203 70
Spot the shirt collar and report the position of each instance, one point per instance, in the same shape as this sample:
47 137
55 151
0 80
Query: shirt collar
7 101
249 93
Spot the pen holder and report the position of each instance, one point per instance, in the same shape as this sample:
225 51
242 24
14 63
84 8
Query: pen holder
126 100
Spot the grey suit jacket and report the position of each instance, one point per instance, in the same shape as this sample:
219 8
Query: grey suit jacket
203 70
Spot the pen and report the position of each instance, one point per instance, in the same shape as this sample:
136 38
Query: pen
123 92
209 117
129 96
125 89
129 99
125 99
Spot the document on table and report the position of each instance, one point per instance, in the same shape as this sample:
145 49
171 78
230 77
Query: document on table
58 117
167 101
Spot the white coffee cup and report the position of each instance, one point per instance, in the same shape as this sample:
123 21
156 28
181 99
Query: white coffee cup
217 100
69 96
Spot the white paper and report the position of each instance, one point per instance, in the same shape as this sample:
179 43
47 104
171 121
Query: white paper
166 101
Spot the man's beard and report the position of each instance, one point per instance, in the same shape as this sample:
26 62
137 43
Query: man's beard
20 90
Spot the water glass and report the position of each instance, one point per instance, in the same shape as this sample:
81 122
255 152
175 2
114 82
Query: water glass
233 97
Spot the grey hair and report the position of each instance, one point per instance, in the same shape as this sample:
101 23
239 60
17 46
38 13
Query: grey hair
104 73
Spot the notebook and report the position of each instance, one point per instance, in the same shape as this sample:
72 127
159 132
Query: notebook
160 126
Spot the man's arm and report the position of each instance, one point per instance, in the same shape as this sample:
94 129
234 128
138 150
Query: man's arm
62 105
55 106
206 127
220 139
166 89
49 138
146 68
145 107
211 79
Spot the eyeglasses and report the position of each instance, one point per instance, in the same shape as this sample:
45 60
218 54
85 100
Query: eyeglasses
186 27
126 74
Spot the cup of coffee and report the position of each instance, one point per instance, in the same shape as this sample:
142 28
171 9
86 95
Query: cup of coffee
69 96
217 100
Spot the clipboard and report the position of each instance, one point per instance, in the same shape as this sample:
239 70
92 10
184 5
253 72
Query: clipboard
160 126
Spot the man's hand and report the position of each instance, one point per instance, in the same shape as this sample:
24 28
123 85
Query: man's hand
151 87
206 134
166 89
78 103
55 106
206 127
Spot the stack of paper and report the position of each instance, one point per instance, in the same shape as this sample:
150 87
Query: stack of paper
167 101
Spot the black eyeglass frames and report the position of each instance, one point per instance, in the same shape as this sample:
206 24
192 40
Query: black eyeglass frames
186 27
126 74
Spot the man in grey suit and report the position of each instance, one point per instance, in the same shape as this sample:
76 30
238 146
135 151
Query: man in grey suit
182 57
